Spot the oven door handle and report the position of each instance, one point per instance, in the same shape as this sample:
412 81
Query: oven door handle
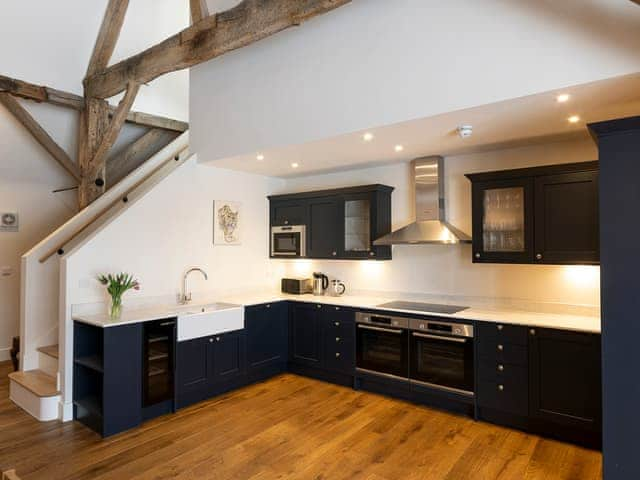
380 329
437 337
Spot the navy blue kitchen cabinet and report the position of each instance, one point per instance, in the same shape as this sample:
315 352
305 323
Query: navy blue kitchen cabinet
322 342
107 377
340 223
267 338
305 345
565 398
209 365
542 380
539 215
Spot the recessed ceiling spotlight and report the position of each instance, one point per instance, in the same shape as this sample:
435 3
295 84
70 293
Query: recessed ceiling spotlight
574 119
260 157
398 148
563 97
294 165
465 131
367 137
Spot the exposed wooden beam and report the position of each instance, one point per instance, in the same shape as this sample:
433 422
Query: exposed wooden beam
108 35
155 121
135 154
94 122
248 22
40 135
199 10
111 134
38 93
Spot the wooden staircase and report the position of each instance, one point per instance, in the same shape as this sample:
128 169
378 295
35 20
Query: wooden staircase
37 390
10 475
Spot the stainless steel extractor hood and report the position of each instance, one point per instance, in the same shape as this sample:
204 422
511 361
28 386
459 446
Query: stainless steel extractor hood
431 224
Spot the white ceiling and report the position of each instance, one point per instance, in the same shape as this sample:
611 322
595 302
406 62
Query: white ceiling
519 121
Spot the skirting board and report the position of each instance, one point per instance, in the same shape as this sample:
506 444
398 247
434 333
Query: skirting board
5 354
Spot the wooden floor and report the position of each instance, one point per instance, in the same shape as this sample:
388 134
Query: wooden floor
292 428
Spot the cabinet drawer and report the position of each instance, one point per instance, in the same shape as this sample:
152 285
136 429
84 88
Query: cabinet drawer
503 333
341 358
497 351
496 371
510 396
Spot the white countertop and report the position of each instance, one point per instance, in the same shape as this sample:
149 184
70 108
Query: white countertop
507 315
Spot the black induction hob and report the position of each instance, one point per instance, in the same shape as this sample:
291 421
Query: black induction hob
424 307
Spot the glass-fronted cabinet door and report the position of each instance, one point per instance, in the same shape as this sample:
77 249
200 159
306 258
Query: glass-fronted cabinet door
358 239
503 221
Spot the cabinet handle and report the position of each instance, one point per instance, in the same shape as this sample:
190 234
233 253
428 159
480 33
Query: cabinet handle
538 256
268 306
337 354
337 339
500 347
500 327
217 339
286 222
501 388
318 306
337 324
334 253
372 254
211 340
477 255
501 368
337 308
532 331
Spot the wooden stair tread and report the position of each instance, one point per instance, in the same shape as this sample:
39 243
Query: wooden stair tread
51 350
10 475
37 382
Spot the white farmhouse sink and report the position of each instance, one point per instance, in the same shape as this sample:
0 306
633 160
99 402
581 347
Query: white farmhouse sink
211 319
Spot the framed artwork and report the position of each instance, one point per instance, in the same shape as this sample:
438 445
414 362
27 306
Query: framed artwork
227 222
8 222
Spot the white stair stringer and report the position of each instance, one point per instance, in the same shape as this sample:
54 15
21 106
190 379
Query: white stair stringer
36 393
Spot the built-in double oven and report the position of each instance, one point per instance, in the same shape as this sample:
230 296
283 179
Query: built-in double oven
424 351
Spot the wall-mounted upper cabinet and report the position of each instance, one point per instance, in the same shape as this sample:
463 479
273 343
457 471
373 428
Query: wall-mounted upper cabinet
546 215
340 223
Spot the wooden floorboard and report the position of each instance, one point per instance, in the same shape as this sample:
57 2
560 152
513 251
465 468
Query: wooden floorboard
289 427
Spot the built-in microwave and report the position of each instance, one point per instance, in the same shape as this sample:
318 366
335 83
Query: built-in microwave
289 241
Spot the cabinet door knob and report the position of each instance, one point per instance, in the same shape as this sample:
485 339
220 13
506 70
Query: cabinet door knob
372 254
501 368
337 324
501 388
500 347
337 354
337 308
334 253
337 339
318 306
268 306
477 255
538 256
211 340
532 331
286 222
217 339
500 327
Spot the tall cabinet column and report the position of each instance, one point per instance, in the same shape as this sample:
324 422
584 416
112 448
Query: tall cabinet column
619 147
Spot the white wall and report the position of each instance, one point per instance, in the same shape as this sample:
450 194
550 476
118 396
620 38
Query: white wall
379 62
447 270
51 44
171 229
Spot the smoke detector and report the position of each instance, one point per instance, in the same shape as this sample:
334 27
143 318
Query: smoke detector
465 131
8 222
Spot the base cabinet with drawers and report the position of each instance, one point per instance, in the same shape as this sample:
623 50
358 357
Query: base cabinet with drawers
543 380
322 341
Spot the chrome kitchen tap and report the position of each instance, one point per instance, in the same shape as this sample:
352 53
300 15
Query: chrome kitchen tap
186 297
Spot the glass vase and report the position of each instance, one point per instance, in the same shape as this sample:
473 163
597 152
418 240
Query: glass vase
115 309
